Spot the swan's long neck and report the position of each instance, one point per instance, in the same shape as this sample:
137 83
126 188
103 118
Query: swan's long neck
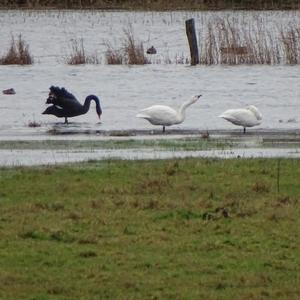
256 112
183 107
87 103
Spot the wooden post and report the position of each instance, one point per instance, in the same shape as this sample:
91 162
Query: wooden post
191 35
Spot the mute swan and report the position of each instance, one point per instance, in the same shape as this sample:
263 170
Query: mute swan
165 115
246 117
65 105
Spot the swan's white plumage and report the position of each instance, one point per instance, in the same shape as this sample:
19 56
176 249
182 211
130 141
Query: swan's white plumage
246 117
165 115
160 115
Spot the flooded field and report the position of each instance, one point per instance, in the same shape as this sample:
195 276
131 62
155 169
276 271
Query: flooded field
69 148
125 90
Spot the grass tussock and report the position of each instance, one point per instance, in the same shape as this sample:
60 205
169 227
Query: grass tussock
34 124
225 41
132 52
127 225
18 53
113 56
78 55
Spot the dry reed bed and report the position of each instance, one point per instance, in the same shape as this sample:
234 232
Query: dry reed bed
78 55
226 42
131 53
17 54
233 39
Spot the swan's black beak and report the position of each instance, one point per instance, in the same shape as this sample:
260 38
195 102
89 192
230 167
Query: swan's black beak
98 110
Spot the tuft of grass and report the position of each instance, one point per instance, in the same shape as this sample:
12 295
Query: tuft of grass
113 56
78 55
132 52
18 53
34 124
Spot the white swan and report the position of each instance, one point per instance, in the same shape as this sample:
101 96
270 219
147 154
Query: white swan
165 115
247 117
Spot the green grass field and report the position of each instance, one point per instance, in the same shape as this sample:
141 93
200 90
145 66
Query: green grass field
171 229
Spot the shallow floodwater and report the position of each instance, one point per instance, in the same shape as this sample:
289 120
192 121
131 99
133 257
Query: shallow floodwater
50 157
124 90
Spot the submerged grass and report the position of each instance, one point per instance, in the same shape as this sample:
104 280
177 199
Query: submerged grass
186 144
174 229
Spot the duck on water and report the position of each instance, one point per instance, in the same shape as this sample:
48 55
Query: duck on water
65 105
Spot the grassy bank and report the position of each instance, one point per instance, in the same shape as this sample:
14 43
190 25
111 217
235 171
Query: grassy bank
175 229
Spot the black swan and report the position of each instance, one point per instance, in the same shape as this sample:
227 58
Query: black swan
65 105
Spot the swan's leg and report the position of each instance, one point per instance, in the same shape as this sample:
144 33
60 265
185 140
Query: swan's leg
244 130
164 129
66 120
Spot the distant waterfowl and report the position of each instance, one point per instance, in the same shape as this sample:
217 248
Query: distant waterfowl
165 115
245 117
10 91
65 105
151 50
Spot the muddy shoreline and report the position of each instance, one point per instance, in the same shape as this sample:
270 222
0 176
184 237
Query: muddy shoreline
69 147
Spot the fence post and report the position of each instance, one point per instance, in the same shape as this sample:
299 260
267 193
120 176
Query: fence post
192 39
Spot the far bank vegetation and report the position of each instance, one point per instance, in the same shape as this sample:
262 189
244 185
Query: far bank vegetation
152 5
221 40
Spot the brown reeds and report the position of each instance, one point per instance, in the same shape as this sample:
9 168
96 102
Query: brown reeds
291 45
224 42
78 55
132 52
113 56
17 54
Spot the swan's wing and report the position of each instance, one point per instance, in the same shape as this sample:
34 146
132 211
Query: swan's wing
68 103
159 115
242 117
61 97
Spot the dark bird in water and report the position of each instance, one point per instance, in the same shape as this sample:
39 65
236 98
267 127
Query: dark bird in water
65 105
